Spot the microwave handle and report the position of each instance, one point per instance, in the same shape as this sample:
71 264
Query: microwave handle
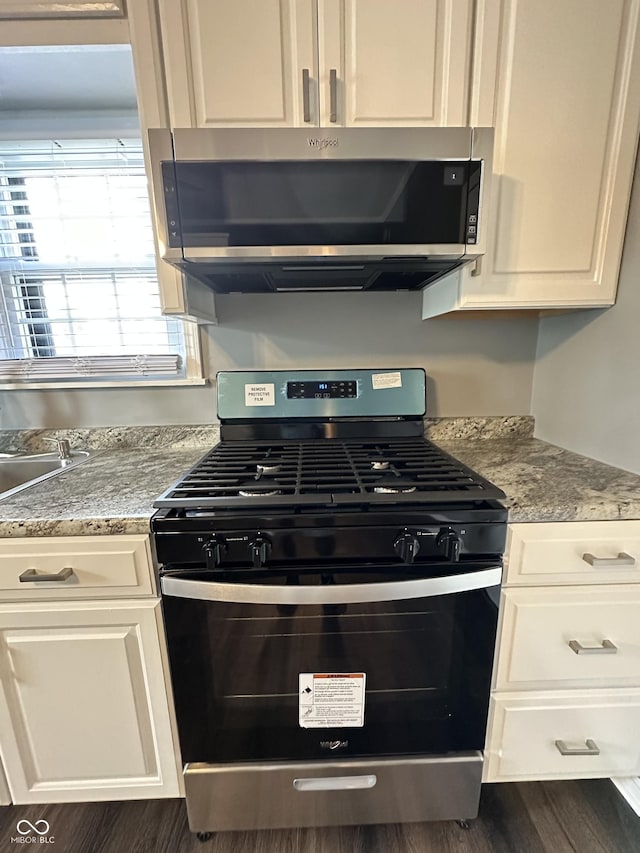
248 593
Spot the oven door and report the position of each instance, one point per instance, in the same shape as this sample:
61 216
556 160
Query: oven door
247 649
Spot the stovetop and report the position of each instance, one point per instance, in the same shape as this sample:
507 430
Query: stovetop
237 474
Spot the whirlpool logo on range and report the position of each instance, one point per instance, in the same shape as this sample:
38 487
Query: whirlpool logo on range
33 833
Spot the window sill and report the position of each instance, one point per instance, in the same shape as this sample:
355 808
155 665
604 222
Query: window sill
95 383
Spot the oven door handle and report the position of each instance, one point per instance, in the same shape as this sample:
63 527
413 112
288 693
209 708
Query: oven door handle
246 593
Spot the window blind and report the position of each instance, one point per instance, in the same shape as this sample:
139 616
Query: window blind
79 293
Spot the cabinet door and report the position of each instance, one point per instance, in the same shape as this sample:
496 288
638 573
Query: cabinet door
240 64
400 64
560 82
83 705
5 796
571 735
562 637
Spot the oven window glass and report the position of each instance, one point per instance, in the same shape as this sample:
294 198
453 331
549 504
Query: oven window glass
235 671
323 203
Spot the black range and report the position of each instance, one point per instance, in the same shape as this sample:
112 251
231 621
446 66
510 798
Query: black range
330 584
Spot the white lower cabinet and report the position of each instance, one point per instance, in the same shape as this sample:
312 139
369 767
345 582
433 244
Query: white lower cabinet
566 697
570 735
84 713
85 708
5 796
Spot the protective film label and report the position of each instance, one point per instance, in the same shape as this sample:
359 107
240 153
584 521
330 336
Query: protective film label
260 395
331 700
386 380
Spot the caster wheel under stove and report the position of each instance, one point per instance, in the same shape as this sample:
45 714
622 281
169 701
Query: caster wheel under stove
204 836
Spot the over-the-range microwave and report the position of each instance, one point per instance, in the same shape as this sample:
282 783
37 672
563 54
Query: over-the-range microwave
286 209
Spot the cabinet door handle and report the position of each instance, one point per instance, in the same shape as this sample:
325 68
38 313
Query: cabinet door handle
623 559
606 648
333 95
32 575
590 748
306 95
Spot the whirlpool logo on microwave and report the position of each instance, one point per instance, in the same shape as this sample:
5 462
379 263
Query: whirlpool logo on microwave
319 144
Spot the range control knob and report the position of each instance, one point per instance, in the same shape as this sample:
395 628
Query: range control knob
259 549
449 543
407 546
214 551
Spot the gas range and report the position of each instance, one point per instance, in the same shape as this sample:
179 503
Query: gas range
379 500
326 471
325 538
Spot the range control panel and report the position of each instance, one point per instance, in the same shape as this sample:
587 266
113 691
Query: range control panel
322 390
326 393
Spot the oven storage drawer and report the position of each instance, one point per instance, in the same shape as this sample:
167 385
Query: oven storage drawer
577 734
72 567
578 552
270 795
585 636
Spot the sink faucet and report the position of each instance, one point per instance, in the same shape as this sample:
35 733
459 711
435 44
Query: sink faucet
63 446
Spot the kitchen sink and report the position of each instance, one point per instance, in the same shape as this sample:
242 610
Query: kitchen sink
20 471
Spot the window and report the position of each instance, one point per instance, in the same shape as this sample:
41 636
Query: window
78 289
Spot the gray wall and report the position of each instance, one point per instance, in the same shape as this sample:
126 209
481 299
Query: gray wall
478 365
586 394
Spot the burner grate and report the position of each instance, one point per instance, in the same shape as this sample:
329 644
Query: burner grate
326 471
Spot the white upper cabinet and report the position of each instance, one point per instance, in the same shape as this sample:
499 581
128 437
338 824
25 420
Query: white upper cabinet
561 84
399 64
246 63
293 63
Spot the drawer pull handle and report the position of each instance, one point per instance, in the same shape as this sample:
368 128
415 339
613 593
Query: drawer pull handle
623 559
336 783
607 648
32 575
590 748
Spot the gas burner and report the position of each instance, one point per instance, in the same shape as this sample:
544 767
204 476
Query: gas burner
267 468
382 465
394 490
258 493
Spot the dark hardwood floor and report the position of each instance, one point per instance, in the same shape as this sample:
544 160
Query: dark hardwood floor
532 817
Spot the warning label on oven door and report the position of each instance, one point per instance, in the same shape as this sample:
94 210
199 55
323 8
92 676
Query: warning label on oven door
331 700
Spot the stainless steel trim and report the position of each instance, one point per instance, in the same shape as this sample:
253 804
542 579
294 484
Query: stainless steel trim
261 795
306 96
482 149
333 95
606 648
324 288
443 251
161 150
31 575
623 559
336 594
335 143
336 783
590 748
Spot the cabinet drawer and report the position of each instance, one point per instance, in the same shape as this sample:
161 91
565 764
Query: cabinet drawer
555 553
569 637
101 567
523 731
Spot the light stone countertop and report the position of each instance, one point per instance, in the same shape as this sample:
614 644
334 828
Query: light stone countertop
113 491
546 483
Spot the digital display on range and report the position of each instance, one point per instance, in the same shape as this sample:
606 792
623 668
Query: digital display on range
322 390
